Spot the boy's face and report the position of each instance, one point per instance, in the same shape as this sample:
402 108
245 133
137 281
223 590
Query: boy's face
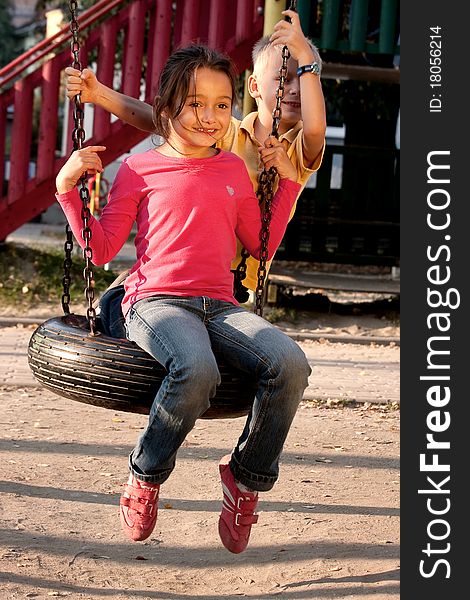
263 86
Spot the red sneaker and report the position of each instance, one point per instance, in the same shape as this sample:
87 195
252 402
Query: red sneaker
237 516
138 508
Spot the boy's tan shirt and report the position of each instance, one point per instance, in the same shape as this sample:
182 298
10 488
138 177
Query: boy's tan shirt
241 140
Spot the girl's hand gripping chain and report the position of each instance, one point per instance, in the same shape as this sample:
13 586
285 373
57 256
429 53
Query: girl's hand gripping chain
274 155
79 162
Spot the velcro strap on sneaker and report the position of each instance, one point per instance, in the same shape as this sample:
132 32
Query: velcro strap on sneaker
143 493
241 519
143 508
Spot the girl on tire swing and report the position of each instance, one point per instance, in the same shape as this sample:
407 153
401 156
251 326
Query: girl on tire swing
191 202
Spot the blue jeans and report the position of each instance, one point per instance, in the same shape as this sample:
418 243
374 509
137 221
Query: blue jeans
112 319
180 333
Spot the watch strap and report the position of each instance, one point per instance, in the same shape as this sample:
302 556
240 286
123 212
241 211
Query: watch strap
311 68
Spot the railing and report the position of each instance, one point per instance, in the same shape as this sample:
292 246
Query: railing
127 41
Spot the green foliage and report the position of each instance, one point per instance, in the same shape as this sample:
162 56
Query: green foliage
43 5
278 313
29 276
8 40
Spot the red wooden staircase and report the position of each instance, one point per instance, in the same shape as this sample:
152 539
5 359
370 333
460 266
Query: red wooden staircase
129 40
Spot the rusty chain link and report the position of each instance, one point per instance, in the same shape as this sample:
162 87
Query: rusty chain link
78 137
265 195
66 279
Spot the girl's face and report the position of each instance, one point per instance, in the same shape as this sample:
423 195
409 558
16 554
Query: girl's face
206 115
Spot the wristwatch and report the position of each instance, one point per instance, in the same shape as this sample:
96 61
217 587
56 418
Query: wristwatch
312 68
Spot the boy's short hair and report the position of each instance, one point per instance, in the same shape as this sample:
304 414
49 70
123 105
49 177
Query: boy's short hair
263 47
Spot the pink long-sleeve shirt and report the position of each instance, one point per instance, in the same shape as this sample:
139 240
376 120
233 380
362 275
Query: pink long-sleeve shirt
189 213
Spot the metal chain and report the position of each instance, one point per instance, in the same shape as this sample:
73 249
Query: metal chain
66 279
68 246
277 112
265 194
78 137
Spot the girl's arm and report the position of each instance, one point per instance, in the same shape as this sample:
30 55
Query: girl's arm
130 110
249 223
109 234
79 162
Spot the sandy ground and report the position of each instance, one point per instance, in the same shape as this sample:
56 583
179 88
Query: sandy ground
328 529
357 322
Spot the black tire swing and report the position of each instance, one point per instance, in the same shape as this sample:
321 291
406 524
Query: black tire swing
71 356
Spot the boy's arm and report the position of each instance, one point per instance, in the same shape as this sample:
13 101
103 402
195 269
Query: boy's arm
132 111
311 94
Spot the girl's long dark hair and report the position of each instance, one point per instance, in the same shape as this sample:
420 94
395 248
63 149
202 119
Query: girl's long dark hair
176 77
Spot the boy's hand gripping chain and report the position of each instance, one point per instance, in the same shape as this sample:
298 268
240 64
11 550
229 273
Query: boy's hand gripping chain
78 136
265 192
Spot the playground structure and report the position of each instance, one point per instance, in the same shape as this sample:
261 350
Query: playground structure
129 40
